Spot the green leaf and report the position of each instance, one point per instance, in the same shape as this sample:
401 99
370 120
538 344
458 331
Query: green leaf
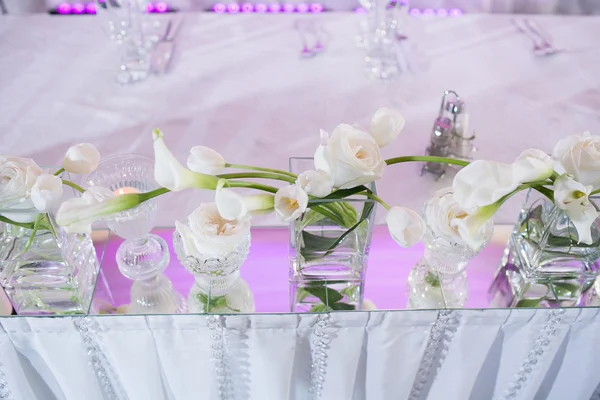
529 303
342 306
325 294
432 280
343 193
564 289
314 244
319 308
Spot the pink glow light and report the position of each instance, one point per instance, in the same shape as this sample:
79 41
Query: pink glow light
233 8
90 8
150 7
302 8
360 10
428 11
161 7
456 12
414 11
64 8
247 7
219 8
288 8
260 8
274 7
77 8
316 7
442 12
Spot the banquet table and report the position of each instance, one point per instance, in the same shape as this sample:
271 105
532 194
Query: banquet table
238 85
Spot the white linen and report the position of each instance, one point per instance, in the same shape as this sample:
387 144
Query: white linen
450 355
239 85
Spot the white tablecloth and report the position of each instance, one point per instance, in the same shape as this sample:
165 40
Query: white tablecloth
436 355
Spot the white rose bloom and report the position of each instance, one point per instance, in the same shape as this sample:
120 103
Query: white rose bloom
290 202
446 218
579 156
207 233
234 206
46 192
482 183
532 165
350 157
205 160
315 183
385 126
82 158
17 177
405 225
573 197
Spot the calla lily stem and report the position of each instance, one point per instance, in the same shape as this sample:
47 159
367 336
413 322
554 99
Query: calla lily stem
251 168
261 175
73 185
442 160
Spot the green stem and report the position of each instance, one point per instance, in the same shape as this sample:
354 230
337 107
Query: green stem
249 185
73 185
251 168
33 232
370 195
60 171
262 175
595 192
26 225
154 193
442 160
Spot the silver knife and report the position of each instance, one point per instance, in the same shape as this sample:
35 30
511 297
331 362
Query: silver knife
163 52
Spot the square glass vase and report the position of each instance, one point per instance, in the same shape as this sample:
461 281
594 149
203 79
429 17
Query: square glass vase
329 249
544 265
49 271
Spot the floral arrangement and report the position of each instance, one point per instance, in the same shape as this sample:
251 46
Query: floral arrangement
345 163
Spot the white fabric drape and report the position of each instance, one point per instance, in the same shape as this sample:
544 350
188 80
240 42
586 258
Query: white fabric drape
459 354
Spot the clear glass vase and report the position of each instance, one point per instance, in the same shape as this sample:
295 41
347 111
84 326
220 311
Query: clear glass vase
49 272
329 249
218 287
543 264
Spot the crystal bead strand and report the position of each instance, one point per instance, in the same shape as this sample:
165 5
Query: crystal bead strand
102 368
443 330
215 324
320 343
535 354
4 391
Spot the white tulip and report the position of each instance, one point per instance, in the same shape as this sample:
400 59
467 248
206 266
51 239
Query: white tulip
350 157
82 158
315 183
77 215
573 198
17 177
448 220
385 126
482 183
169 173
233 206
46 192
531 166
405 225
290 202
205 160
207 233
579 156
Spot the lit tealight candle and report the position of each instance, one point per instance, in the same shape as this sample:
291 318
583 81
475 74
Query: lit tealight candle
126 190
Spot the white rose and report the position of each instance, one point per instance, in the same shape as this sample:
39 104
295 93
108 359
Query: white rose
315 183
483 182
350 157
17 177
573 197
46 192
385 126
579 156
207 233
233 206
290 202
205 160
446 218
82 158
405 226
170 174
531 166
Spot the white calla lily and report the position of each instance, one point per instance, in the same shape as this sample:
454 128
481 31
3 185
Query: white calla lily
82 158
205 160
482 183
406 226
573 198
531 166
290 202
385 126
46 192
234 206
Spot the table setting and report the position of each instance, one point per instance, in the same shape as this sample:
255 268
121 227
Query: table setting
397 202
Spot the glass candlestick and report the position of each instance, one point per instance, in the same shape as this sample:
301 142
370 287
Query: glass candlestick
143 256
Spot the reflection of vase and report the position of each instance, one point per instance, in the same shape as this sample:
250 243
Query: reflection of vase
330 243
142 257
54 273
543 264
426 290
218 286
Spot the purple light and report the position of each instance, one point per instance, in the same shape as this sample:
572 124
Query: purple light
442 12
302 7
247 7
414 11
161 7
316 7
219 8
233 8
90 8
456 12
150 7
64 8
428 11
77 8
288 8
274 7
360 10
260 8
